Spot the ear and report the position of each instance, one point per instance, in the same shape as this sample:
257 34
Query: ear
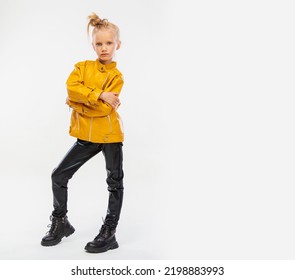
118 45
93 46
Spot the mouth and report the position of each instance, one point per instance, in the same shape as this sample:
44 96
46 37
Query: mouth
104 54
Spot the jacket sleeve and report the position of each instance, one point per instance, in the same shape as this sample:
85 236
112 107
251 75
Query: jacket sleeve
100 107
87 98
77 91
115 85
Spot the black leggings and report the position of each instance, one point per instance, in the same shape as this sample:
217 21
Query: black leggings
81 152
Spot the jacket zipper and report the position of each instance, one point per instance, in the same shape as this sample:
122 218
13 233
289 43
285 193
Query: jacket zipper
90 129
108 116
110 124
121 123
104 83
78 121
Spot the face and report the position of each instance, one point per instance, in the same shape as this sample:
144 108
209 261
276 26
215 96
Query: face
105 44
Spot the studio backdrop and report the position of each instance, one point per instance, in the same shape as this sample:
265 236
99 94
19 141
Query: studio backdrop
208 113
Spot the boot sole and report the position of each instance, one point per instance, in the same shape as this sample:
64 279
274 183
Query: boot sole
113 246
55 242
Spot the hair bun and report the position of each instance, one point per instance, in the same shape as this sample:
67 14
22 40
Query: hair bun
97 23
95 20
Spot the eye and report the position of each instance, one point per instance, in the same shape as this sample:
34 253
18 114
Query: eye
98 44
109 43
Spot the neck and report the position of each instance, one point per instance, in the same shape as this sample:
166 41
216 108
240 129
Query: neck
105 62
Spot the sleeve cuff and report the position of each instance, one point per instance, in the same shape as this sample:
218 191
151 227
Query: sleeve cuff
94 96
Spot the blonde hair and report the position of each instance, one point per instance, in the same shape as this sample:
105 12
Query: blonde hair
97 23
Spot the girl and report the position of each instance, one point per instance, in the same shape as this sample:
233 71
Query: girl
93 90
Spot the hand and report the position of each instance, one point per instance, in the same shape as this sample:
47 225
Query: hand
110 98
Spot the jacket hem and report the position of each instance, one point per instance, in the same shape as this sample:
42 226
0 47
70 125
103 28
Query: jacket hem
100 139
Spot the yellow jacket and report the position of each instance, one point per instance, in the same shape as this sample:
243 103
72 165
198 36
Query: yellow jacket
92 119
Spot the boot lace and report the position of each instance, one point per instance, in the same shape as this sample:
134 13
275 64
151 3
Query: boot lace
103 232
53 226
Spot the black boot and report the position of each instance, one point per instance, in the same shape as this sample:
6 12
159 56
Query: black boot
104 241
60 228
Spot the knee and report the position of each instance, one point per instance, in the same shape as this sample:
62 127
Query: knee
115 181
58 178
116 188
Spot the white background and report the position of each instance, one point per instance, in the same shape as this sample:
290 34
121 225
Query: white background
208 110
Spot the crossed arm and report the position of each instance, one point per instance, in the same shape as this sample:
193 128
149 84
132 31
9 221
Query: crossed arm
101 100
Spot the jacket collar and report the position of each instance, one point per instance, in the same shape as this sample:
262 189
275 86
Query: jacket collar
103 67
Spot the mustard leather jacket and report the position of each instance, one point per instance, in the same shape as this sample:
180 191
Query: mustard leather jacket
92 119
